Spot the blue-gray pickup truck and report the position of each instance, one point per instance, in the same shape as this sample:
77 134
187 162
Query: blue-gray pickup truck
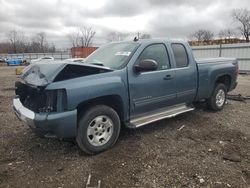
121 84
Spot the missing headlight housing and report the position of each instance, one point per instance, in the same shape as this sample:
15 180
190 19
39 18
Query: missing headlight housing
40 100
56 101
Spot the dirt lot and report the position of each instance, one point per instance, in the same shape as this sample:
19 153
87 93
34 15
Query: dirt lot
200 148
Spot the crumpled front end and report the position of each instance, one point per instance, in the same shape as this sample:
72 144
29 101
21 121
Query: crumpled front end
45 111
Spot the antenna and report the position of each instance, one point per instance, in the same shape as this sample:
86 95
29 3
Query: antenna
135 39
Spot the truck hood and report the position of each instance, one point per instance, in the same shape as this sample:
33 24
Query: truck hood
44 73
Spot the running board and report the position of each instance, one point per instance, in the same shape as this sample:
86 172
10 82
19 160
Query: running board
165 113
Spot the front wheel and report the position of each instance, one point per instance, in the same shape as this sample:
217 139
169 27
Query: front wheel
217 101
98 129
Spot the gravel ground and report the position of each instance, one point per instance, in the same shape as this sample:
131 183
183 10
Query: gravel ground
199 148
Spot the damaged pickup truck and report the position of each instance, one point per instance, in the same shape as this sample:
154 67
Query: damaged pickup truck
121 84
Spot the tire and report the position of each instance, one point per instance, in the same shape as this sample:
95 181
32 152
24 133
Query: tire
98 129
217 101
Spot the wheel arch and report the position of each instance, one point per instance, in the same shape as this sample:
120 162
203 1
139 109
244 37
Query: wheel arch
224 79
113 101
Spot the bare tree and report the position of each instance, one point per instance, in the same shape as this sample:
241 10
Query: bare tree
243 17
20 43
5 47
226 34
198 35
41 39
116 36
39 43
86 36
202 35
74 38
208 35
34 45
13 38
17 40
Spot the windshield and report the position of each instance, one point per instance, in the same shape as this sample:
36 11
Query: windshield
113 56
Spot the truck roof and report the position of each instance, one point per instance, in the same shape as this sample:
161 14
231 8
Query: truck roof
143 41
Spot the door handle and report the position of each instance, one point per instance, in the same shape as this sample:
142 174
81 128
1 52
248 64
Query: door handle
168 77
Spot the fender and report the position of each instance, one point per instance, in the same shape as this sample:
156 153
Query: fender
93 86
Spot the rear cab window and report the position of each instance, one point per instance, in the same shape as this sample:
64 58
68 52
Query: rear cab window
180 55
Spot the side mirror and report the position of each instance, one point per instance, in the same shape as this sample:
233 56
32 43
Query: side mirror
146 65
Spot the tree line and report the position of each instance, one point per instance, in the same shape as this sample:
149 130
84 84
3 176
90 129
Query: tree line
18 42
241 17
83 36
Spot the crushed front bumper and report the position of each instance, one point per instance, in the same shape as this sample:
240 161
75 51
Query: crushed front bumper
60 124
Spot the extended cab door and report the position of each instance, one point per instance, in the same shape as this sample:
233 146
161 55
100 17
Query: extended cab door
185 73
152 90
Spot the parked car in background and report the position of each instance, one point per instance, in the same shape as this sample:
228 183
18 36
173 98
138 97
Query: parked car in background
121 84
15 61
81 60
2 60
45 58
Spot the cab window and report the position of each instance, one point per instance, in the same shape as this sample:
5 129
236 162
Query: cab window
158 53
180 54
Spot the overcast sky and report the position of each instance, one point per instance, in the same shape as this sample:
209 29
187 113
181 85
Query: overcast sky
160 18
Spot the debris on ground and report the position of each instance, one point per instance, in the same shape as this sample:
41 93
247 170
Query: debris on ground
232 157
238 97
201 180
88 183
181 127
222 143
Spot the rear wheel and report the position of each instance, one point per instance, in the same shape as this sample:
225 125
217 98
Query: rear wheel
217 101
98 129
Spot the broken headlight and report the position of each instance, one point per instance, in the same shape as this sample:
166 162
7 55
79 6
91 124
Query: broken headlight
56 101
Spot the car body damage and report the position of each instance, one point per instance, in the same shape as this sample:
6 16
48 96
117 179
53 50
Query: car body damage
145 81
42 74
44 106
33 93
33 98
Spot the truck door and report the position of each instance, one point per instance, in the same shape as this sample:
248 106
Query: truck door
186 73
152 90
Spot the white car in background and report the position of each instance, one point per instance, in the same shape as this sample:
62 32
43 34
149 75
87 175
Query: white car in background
80 60
43 59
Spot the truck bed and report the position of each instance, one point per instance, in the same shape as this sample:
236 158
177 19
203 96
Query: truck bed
214 60
208 71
